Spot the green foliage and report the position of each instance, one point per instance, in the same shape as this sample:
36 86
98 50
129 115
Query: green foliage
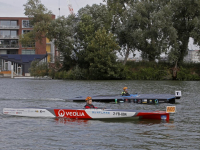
27 39
185 74
36 11
39 17
89 20
73 74
185 17
147 71
189 71
123 26
155 33
39 69
101 56
160 71
61 32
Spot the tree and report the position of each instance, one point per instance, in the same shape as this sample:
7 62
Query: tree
38 68
122 26
88 20
27 39
155 33
61 32
101 55
186 21
39 17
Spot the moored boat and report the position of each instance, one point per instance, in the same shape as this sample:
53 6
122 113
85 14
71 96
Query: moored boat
86 113
133 98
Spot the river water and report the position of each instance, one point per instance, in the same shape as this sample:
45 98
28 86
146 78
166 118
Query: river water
23 133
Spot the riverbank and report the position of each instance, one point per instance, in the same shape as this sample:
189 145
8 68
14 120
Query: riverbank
131 71
142 71
161 71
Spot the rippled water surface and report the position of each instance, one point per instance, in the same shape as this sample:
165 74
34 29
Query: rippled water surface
181 132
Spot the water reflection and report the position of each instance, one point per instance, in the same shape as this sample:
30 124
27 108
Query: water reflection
136 121
71 121
148 122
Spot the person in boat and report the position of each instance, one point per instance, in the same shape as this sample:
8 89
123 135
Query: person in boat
89 103
125 92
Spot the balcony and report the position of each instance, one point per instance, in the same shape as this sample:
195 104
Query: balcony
9 37
9 27
9 46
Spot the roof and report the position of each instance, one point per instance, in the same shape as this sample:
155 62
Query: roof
21 58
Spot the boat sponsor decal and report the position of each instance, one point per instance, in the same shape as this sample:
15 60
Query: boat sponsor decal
75 114
42 111
144 101
11 113
29 110
101 112
18 112
119 114
171 109
139 101
10 110
36 111
61 113
71 113
150 101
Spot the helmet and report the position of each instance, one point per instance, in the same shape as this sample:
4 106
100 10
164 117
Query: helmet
88 98
125 88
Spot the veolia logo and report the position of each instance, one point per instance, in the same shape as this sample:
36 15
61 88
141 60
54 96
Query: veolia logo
61 113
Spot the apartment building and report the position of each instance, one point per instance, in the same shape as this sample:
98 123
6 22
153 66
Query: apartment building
10 30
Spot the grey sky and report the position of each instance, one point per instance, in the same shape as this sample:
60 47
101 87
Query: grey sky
15 8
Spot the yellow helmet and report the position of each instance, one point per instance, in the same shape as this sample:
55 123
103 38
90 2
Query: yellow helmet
125 88
88 98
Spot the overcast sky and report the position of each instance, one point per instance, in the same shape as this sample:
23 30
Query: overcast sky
15 8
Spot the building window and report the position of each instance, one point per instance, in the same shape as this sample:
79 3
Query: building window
28 45
9 44
13 34
13 23
25 31
8 23
28 51
26 24
5 33
8 33
5 22
12 52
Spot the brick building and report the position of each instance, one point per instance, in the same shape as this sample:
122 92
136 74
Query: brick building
10 30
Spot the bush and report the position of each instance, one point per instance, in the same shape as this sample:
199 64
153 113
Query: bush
39 69
75 74
147 71
185 74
